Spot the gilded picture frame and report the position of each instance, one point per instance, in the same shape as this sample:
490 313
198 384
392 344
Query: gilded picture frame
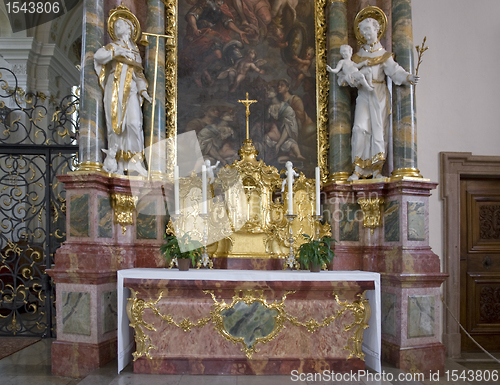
173 127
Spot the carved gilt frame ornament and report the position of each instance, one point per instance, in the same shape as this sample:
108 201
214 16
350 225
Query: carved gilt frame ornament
123 207
322 89
360 308
322 84
372 214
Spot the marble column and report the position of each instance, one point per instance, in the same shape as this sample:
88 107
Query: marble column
403 97
154 121
92 126
339 119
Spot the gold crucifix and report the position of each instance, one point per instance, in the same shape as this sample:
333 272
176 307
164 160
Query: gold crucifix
247 103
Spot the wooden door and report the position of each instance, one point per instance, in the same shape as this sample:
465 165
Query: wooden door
480 262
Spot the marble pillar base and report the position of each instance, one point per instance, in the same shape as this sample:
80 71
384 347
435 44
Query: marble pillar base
96 247
235 366
421 359
396 246
78 359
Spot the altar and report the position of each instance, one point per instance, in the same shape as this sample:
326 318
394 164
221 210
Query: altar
249 315
248 322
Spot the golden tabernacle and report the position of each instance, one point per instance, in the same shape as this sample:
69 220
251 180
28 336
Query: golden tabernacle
247 226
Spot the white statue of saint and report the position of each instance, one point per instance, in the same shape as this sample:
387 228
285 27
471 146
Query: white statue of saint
373 106
121 77
349 71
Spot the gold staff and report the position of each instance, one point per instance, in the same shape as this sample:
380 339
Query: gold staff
247 104
145 42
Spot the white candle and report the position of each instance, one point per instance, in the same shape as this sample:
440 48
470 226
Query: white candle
176 190
290 187
204 189
318 197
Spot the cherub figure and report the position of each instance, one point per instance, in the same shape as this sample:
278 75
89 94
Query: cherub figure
239 72
301 69
276 36
210 170
350 74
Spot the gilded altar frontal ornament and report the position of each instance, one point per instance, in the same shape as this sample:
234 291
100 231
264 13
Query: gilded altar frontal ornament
265 321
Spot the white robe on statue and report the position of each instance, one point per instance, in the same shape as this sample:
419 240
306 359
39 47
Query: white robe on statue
123 82
373 108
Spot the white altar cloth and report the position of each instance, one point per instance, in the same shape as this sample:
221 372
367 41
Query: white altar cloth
372 336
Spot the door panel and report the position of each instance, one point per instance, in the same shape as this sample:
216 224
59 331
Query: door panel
480 262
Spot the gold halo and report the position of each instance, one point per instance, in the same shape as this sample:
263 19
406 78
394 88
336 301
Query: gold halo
122 12
370 12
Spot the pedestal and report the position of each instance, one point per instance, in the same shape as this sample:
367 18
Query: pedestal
98 243
390 235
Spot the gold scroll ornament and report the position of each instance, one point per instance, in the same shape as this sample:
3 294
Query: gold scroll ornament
360 308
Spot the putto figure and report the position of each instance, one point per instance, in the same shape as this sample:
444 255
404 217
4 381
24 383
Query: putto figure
121 77
349 71
371 118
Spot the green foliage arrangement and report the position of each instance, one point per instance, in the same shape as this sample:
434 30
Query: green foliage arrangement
315 251
171 248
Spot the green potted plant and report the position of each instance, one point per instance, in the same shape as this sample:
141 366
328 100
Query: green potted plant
315 252
171 249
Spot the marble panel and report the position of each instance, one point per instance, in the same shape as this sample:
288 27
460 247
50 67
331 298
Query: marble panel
421 315
105 215
109 311
348 224
249 321
416 221
388 313
146 220
76 313
79 225
391 221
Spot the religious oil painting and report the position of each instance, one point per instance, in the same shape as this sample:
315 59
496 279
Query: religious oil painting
265 48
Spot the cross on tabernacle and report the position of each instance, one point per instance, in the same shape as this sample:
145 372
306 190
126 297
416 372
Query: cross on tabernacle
247 103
